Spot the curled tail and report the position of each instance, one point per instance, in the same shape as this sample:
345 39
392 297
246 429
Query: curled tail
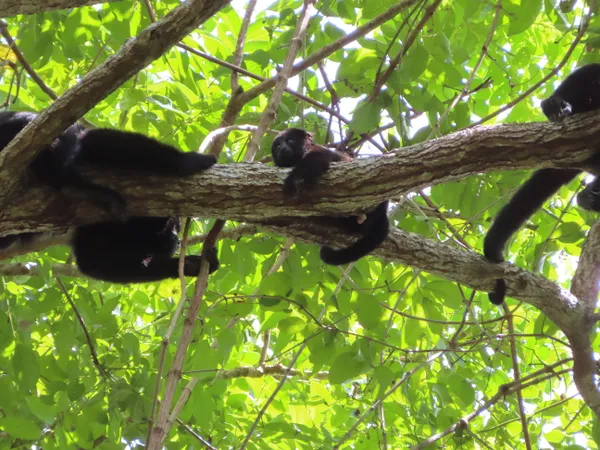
375 230
529 198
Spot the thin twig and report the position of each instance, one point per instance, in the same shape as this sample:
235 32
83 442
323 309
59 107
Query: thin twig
502 392
239 47
285 376
88 338
450 227
282 78
582 29
285 251
181 401
517 376
465 89
390 391
196 435
32 73
410 38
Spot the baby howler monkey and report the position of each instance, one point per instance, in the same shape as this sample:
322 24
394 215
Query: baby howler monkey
134 249
578 93
294 148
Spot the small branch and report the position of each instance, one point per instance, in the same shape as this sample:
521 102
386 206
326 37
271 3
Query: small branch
243 71
181 401
24 63
517 375
282 78
537 412
393 389
443 218
285 376
285 251
164 345
13 7
161 429
233 233
151 14
211 137
259 372
327 50
410 38
582 29
466 87
239 47
33 269
452 342
196 436
502 392
27 67
88 338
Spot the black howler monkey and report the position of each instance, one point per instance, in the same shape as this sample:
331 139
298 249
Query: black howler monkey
589 198
579 92
132 250
140 249
294 147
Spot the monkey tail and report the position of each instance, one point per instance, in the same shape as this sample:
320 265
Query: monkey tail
374 233
499 292
527 200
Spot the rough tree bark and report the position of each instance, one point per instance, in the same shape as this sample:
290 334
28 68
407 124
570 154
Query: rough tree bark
13 7
252 191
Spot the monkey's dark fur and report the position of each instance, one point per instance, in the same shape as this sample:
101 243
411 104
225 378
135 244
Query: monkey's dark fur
294 147
578 93
129 250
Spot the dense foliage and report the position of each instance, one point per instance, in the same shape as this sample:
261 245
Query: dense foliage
432 350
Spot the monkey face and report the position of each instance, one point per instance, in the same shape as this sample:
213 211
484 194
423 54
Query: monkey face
290 146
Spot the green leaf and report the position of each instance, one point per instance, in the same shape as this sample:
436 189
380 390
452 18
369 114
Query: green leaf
522 15
347 366
41 410
461 389
25 365
366 117
368 310
19 427
292 325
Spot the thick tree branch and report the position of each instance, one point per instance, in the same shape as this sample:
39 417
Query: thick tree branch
585 287
20 269
13 7
449 262
252 192
585 282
